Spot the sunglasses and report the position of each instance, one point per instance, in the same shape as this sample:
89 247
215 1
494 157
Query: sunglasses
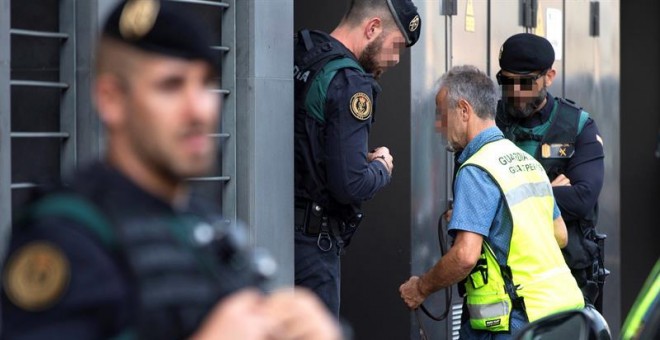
525 82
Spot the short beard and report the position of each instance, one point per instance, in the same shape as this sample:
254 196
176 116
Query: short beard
368 58
528 109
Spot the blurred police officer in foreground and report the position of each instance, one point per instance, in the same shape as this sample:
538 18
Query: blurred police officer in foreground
506 226
335 95
562 137
126 251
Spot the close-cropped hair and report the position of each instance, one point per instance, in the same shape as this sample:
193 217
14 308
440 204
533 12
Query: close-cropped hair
358 10
474 86
117 58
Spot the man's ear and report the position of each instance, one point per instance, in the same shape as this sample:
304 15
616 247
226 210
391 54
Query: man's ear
550 76
464 109
110 95
373 28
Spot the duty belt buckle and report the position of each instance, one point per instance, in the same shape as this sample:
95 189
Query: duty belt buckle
323 238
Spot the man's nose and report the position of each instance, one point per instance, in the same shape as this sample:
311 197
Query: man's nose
202 103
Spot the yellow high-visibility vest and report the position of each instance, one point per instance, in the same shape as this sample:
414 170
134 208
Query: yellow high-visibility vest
537 268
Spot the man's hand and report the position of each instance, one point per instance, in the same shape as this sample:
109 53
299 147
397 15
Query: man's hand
300 315
411 292
561 181
283 315
239 316
382 154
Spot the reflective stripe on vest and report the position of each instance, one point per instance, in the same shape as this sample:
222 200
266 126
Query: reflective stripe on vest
537 265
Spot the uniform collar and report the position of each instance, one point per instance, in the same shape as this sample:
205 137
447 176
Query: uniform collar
103 181
488 135
539 118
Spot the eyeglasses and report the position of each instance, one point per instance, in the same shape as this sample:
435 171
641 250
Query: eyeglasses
525 82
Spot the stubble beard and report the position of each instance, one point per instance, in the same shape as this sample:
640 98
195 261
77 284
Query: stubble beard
368 58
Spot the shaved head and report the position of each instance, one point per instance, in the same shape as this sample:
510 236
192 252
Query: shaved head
118 59
359 10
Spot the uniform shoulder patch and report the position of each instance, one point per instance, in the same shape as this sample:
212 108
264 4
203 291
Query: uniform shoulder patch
361 106
36 276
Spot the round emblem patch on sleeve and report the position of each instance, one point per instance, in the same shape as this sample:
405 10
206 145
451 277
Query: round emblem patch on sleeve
36 276
361 106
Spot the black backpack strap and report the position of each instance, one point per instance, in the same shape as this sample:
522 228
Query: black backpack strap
310 58
76 208
315 52
307 39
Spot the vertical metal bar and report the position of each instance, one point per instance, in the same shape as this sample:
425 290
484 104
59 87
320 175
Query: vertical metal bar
229 195
5 124
68 109
448 43
563 48
488 37
594 18
88 126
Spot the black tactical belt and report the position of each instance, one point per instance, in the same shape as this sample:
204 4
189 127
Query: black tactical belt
312 220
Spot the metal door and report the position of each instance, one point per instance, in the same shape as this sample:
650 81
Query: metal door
591 79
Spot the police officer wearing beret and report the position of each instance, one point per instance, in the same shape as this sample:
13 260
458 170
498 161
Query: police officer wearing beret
335 103
126 251
565 140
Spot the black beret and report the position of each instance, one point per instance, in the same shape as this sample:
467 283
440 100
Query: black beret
406 17
525 53
155 26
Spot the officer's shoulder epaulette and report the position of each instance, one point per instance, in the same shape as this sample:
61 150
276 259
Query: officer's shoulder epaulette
71 206
584 115
316 96
569 102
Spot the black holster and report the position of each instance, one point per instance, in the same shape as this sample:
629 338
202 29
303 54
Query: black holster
585 256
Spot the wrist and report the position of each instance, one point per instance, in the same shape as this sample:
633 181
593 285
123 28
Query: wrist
381 159
421 289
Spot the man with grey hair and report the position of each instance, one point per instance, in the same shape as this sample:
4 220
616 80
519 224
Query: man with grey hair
506 226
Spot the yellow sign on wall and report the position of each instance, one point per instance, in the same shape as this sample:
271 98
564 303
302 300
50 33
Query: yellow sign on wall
469 17
540 23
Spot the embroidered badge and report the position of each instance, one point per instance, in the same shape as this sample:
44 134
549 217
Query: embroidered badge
545 150
36 276
361 106
557 150
138 18
414 24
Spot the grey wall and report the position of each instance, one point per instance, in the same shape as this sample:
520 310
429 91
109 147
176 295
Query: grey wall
430 162
5 128
592 79
264 124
